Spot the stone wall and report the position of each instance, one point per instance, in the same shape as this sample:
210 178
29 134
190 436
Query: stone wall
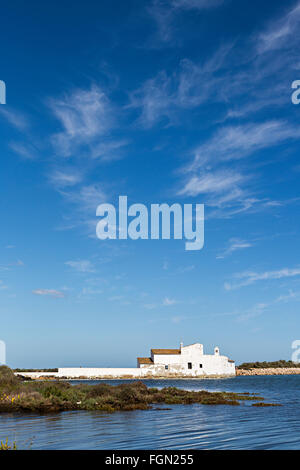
273 371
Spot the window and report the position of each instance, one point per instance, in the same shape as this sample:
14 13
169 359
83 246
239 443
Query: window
189 365
166 367
200 365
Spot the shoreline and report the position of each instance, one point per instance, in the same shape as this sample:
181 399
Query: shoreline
269 371
41 377
36 376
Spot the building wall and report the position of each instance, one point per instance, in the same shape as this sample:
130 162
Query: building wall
212 364
98 372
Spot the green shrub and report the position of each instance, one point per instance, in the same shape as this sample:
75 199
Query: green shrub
7 377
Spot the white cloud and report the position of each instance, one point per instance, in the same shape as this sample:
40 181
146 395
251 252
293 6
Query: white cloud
165 265
51 292
178 319
116 298
262 307
224 78
195 4
247 278
167 302
282 31
86 199
15 118
65 177
6 267
234 245
83 114
287 297
87 119
190 86
26 151
211 172
108 150
186 269
218 182
237 142
164 13
82 266
150 306
88 291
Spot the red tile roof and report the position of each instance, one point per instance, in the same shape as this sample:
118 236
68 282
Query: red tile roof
165 351
145 360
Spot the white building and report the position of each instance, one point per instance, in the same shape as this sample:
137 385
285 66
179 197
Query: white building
187 361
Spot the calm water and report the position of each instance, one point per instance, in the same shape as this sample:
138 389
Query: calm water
182 427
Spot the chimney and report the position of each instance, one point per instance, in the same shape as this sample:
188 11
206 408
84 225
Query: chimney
181 345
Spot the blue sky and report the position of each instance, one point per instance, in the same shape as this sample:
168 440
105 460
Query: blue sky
163 101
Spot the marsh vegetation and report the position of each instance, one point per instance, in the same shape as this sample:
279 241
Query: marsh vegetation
43 396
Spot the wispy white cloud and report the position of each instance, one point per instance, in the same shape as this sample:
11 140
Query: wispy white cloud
235 244
6 267
247 278
195 4
50 292
82 266
15 118
3 286
150 306
211 171
178 319
87 198
263 307
88 291
87 117
167 302
25 150
225 191
279 32
218 182
164 13
65 177
270 59
188 87
240 141
116 298
186 269
84 115
83 202
109 150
